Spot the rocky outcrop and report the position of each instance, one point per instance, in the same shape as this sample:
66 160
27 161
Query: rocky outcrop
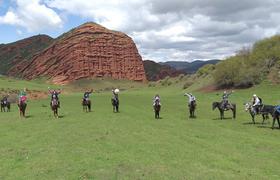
23 50
88 51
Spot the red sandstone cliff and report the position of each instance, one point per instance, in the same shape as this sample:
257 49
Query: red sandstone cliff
87 51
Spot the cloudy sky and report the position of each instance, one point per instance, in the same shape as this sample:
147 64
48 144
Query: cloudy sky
164 30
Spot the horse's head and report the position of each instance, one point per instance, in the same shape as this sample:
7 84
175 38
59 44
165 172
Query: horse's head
247 106
215 105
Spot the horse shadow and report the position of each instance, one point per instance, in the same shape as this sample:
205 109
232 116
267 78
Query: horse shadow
28 116
227 118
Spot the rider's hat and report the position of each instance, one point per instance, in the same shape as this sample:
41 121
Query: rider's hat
254 95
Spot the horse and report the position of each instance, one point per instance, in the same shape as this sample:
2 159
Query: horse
192 106
115 103
5 106
157 108
230 106
275 116
264 110
54 107
22 107
86 103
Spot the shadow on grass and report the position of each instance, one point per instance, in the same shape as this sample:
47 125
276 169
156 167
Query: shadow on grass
29 116
266 127
227 118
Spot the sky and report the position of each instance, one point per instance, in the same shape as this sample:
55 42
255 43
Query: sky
163 30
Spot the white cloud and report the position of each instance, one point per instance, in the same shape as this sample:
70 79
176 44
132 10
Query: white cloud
163 29
32 15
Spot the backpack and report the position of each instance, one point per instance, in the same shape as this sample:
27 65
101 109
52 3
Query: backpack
260 100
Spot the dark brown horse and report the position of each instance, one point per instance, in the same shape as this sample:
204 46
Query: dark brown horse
276 115
229 106
86 103
192 107
22 107
5 106
157 108
54 107
115 103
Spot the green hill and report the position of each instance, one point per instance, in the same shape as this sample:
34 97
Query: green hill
250 66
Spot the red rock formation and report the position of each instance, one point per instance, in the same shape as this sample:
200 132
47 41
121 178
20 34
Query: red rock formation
87 51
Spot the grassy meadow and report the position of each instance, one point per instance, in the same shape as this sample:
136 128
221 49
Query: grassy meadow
132 144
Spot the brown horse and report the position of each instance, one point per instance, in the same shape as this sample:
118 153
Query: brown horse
86 103
115 103
192 107
157 108
54 107
22 107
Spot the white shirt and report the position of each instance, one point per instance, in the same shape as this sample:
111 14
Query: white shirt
257 102
191 98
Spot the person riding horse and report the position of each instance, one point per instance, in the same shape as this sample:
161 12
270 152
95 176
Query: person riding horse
225 102
156 100
54 97
256 101
191 104
22 96
115 100
192 99
86 101
86 95
156 105
5 103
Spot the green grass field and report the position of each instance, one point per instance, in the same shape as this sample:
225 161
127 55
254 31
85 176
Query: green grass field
133 145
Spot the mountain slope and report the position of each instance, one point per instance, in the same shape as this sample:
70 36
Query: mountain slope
189 67
88 51
155 71
23 50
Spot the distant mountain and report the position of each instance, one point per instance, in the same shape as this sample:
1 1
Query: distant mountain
23 50
85 52
189 67
155 71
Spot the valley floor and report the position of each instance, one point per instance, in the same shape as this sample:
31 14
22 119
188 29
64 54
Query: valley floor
133 145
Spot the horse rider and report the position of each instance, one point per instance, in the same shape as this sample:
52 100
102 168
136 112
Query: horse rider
256 103
54 96
5 99
87 94
156 99
115 94
225 99
192 99
22 96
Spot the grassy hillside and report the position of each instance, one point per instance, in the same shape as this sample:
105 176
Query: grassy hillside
250 66
133 145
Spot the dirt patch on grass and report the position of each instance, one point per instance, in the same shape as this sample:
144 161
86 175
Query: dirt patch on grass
31 94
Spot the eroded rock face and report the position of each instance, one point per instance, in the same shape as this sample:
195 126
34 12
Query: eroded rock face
88 51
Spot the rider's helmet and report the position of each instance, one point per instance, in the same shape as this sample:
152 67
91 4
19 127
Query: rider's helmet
116 91
254 95
225 92
157 97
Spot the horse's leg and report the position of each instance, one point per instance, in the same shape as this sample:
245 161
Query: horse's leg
278 121
190 110
234 113
221 114
253 118
263 116
274 118
117 108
